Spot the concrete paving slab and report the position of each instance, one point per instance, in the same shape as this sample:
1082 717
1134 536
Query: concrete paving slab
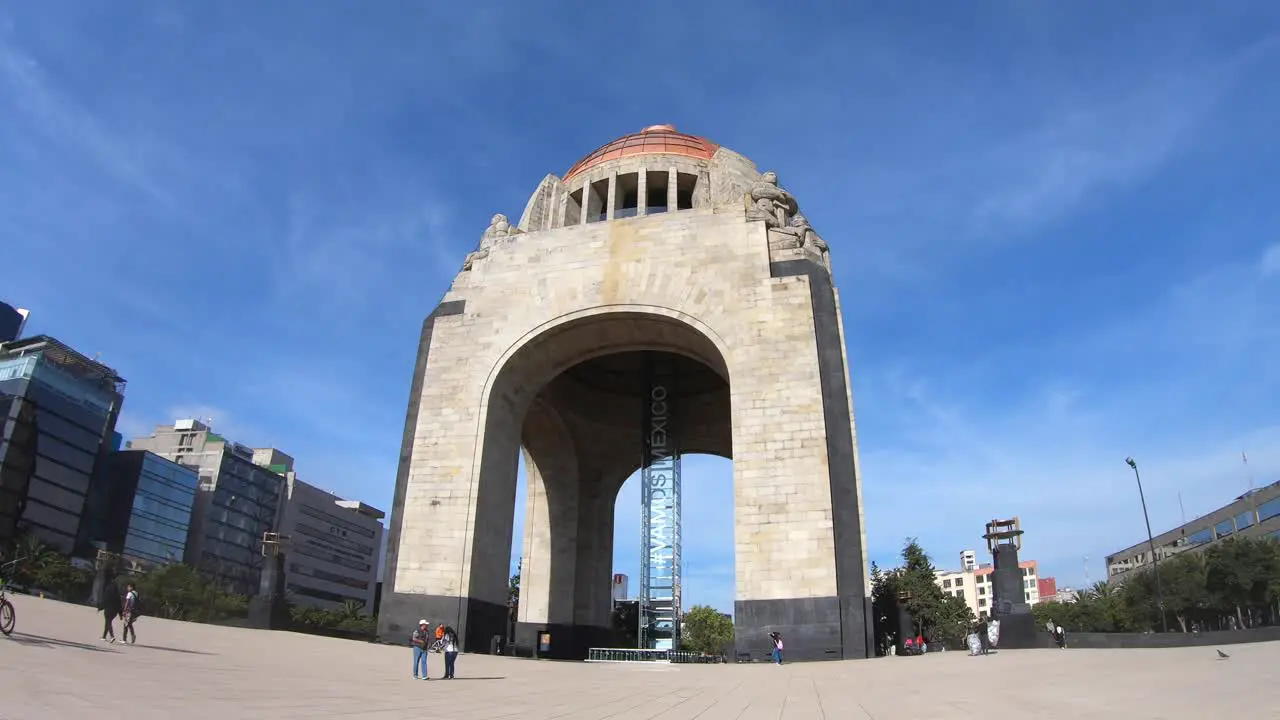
54 667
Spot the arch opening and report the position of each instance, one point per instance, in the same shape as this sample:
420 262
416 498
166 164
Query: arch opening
569 404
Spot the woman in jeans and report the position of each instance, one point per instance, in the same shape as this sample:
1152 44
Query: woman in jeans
776 637
449 644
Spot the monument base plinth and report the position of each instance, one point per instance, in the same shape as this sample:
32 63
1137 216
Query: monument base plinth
1017 632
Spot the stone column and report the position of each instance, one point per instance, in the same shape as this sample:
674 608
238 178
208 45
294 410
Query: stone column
586 200
613 193
672 194
642 198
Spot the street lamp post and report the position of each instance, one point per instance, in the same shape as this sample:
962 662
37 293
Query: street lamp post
1155 559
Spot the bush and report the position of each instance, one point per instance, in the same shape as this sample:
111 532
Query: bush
347 620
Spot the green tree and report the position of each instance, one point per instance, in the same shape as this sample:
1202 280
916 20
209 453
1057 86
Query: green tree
1243 574
935 614
706 630
1184 581
626 619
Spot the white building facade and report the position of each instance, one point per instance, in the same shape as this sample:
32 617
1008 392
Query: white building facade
974 585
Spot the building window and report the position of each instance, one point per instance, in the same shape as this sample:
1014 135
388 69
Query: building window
946 584
982 602
1269 509
573 208
1225 528
626 196
959 582
655 192
685 184
1027 595
1244 520
982 591
598 201
960 594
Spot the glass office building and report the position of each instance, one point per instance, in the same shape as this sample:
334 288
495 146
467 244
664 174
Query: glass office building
75 402
148 511
17 461
244 504
11 321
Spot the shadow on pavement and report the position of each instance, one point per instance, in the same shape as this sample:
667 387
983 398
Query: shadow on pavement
169 649
465 677
46 642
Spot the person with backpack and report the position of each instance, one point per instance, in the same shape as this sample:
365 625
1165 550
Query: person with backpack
421 638
109 604
130 614
776 637
449 644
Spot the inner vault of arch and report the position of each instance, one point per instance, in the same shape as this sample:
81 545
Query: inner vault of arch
572 406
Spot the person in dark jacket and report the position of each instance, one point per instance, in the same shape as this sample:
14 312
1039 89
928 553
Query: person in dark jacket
109 604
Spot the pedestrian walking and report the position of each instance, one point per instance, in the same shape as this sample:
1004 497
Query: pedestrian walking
130 615
421 643
109 604
449 644
776 637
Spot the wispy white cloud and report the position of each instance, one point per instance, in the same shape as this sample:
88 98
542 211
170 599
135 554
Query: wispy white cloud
1270 263
65 122
1200 392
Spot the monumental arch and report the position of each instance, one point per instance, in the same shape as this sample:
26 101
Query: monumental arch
657 245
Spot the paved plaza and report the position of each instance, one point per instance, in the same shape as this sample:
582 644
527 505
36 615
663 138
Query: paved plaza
55 667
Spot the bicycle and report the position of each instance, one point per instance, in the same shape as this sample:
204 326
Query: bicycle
8 616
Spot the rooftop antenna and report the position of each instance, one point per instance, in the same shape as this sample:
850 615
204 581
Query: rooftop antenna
1181 508
1086 572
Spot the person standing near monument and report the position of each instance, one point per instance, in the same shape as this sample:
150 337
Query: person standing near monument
421 641
777 647
449 645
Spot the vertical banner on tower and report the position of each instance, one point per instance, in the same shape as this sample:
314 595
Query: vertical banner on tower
660 510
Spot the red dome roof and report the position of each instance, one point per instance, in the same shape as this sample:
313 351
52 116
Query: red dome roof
653 139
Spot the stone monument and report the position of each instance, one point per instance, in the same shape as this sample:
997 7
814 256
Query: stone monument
1010 606
657 243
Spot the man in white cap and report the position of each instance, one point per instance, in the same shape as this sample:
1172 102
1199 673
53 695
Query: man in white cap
421 641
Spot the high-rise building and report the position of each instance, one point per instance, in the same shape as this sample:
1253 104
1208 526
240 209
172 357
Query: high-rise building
146 515
12 319
619 588
1254 514
17 460
332 547
237 501
75 401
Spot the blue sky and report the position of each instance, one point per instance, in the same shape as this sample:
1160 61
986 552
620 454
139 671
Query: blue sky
1054 225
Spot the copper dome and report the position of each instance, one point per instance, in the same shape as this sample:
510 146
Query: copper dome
653 139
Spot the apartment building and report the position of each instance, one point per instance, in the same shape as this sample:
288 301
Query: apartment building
973 583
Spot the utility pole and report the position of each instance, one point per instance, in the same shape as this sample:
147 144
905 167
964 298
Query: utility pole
1155 559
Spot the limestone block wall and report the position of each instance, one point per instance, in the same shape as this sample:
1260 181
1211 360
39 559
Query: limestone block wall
709 267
